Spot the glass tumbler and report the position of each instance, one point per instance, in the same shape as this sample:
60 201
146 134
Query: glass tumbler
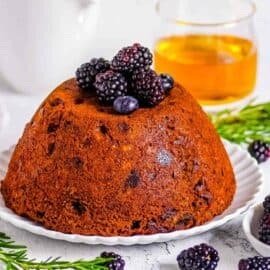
209 47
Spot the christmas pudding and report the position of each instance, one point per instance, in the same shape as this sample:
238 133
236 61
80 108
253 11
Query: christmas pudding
151 163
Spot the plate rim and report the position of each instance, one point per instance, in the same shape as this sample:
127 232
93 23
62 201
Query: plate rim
35 228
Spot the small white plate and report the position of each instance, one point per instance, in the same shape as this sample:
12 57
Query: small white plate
251 225
249 181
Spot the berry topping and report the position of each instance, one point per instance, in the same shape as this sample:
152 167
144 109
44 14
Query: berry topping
86 73
259 150
128 75
125 104
201 257
266 204
167 82
109 86
117 264
148 87
255 263
132 58
264 229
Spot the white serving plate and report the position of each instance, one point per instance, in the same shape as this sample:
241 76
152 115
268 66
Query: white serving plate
249 182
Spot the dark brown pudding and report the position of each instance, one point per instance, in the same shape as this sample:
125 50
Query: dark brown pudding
81 168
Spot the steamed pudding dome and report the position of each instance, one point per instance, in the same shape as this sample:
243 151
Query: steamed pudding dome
81 168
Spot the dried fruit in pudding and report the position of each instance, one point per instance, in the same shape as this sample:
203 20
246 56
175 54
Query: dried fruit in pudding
125 104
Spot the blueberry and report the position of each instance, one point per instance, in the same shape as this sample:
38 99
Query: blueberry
167 82
125 104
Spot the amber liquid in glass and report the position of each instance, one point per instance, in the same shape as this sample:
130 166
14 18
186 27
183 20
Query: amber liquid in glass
216 69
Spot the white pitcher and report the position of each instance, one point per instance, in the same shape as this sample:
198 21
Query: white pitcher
43 41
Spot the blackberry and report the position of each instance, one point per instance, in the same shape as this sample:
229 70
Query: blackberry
86 73
132 58
125 104
147 86
255 263
266 204
259 150
109 86
117 264
200 257
264 229
167 81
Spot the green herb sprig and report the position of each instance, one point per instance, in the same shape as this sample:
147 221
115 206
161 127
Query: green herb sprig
244 126
15 258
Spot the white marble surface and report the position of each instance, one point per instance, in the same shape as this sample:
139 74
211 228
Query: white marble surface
229 239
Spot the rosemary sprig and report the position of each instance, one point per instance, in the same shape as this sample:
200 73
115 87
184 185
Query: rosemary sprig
243 126
15 258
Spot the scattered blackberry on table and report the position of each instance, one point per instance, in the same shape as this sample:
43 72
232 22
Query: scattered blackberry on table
132 58
125 104
109 86
117 264
266 204
147 86
264 229
255 263
167 81
200 257
259 150
86 73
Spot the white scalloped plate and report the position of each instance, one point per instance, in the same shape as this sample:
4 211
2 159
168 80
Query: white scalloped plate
249 182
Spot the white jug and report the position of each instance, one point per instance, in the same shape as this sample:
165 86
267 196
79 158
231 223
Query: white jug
43 41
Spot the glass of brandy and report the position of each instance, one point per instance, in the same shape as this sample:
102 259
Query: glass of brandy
209 47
